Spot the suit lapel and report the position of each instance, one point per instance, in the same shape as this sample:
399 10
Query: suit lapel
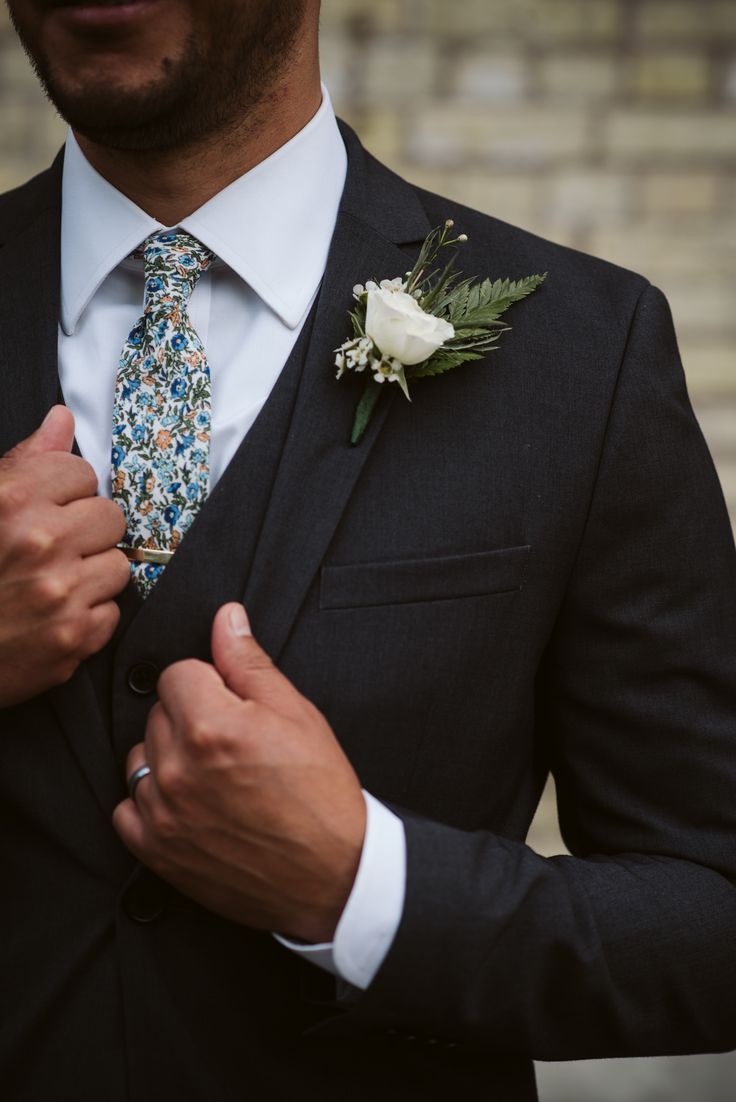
29 309
29 312
319 468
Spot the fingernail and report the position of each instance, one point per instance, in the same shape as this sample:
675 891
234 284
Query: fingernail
48 415
239 623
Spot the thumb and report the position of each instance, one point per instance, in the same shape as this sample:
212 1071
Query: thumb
243 665
55 434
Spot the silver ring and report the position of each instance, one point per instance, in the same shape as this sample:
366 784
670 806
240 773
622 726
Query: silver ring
136 777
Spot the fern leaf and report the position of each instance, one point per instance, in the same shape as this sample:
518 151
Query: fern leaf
495 299
443 361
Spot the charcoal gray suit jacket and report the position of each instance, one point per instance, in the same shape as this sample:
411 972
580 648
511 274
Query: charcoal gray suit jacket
528 568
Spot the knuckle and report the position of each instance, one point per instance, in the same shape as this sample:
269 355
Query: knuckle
112 615
200 735
171 781
103 625
120 561
36 542
109 511
13 497
66 636
118 570
85 475
113 619
121 571
206 739
50 591
118 520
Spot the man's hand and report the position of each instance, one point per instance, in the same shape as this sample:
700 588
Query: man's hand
59 568
251 807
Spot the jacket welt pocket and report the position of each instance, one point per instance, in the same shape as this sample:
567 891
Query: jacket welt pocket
363 585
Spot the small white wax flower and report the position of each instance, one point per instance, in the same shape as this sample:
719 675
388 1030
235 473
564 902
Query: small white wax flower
393 284
386 370
396 323
371 286
358 290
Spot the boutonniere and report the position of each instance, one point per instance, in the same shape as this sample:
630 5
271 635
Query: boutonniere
424 324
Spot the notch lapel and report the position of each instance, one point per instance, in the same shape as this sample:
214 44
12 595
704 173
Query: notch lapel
29 306
319 467
29 313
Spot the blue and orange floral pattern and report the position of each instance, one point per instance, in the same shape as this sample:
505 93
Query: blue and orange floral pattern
162 410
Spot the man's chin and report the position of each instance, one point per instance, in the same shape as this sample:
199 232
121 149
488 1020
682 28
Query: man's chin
159 88
124 116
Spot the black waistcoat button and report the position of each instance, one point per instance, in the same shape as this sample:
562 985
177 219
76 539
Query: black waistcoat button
142 678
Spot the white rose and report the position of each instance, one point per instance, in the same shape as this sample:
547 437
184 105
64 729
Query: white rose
400 328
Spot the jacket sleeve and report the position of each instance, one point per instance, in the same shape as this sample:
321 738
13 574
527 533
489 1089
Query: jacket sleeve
627 947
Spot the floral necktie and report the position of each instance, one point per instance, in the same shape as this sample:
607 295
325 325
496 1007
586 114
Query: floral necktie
162 410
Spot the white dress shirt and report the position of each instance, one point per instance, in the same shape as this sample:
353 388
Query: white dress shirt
271 231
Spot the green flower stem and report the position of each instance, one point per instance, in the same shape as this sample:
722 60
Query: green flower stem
365 408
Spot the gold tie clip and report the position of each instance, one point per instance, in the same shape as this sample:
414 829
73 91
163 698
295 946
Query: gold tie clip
145 554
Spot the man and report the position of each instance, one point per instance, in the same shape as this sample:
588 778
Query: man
528 567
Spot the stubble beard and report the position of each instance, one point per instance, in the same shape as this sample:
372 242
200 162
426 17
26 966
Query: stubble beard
211 89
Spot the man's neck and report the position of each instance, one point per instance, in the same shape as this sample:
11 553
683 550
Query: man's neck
171 184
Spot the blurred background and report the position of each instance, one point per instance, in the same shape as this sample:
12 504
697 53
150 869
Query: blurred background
608 125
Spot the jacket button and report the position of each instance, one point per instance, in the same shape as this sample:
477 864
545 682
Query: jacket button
142 678
145 899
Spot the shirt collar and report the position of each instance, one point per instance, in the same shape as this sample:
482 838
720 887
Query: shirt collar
272 226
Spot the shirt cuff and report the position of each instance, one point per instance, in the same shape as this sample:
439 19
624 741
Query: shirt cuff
372 914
